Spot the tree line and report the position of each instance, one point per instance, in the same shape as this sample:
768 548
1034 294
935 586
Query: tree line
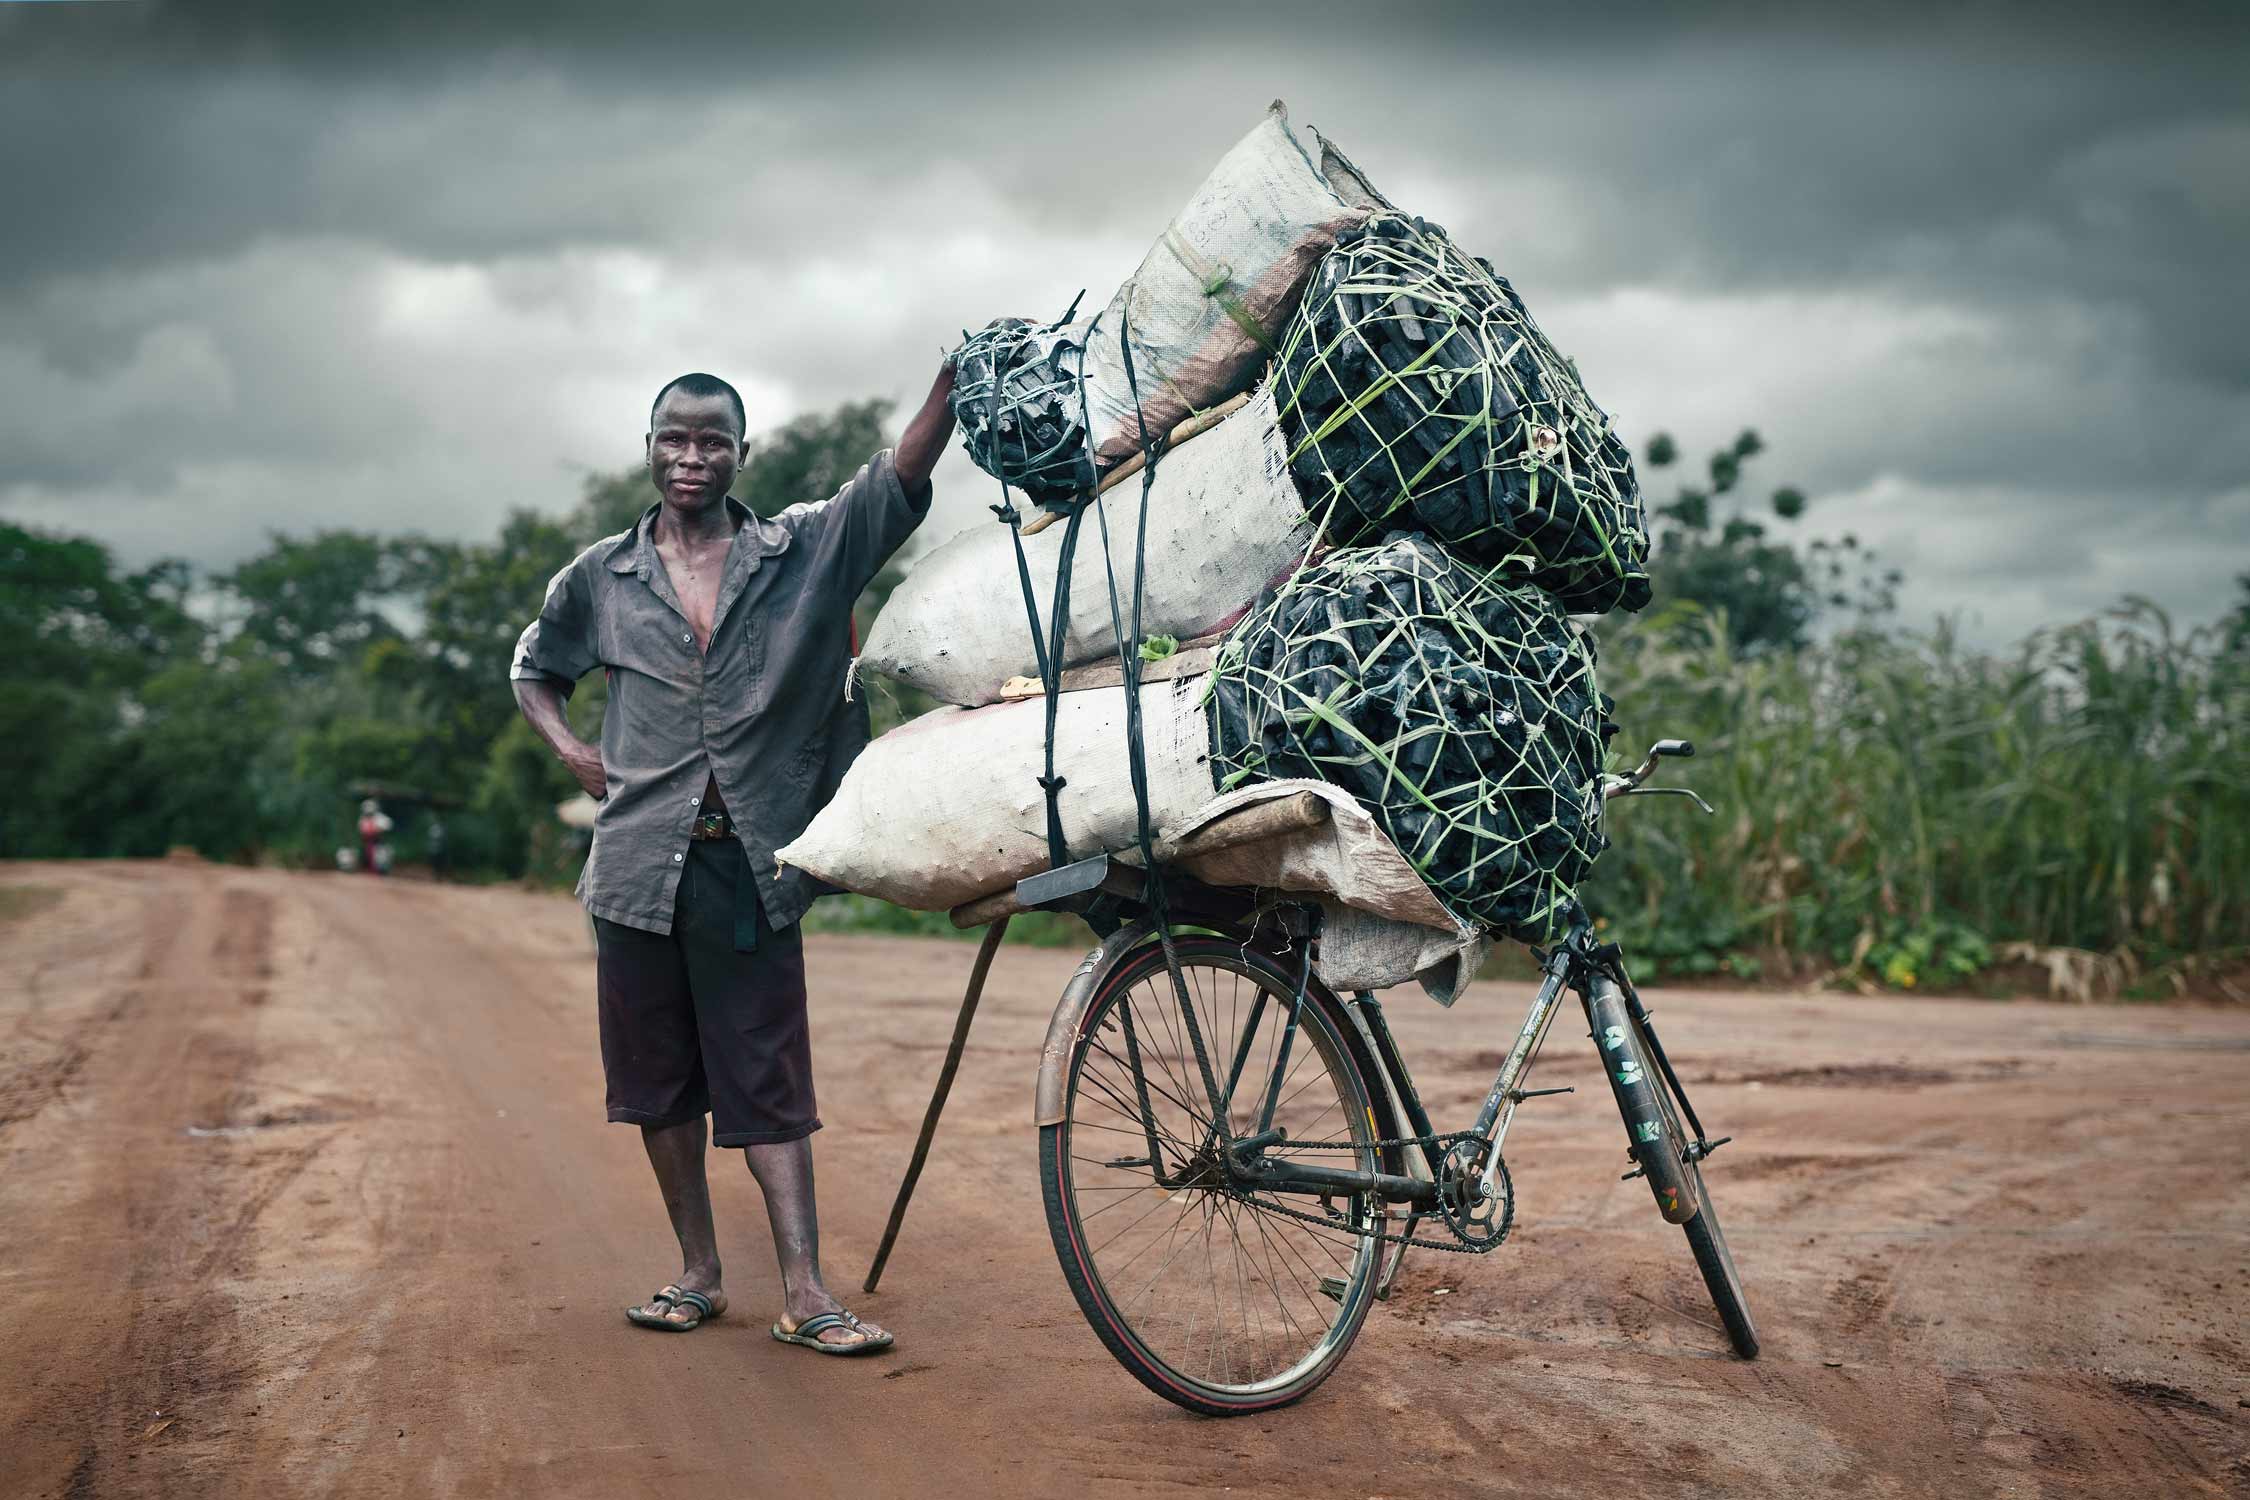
1895 805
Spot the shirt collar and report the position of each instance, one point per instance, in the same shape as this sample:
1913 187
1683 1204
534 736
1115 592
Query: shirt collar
635 551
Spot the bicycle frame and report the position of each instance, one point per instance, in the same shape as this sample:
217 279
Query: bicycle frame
1492 1120
1596 975
1593 971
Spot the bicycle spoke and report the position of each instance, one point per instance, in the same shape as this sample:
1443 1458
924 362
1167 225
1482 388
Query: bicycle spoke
1225 1288
1125 1107
1128 1229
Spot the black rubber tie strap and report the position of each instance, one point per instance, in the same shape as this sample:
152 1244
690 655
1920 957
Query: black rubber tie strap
1136 750
1051 660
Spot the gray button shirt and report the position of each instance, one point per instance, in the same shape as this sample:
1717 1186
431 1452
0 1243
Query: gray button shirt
763 711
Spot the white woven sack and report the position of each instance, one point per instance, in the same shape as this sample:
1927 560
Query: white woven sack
1210 300
948 808
1224 521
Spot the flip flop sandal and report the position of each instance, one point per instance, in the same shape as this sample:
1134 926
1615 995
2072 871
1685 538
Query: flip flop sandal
673 1297
808 1333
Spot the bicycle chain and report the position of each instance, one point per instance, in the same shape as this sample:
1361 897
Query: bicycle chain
1441 1141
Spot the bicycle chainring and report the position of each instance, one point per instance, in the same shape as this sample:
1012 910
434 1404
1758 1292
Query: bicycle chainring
1479 1220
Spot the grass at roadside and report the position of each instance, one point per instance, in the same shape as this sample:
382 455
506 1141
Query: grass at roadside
1909 812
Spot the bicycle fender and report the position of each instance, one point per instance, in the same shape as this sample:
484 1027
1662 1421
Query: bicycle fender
1070 1013
1635 1091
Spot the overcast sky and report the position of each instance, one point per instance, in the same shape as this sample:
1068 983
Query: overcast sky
1975 272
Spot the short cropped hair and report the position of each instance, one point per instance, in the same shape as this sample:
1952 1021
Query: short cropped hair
700 384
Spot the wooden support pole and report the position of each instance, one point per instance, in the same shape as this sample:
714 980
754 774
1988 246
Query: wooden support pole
975 992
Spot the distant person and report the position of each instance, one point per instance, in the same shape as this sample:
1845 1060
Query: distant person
726 640
374 857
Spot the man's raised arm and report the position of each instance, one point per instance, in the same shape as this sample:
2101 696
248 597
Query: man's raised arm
923 442
871 516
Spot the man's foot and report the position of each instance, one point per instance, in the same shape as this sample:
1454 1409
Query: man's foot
677 1309
838 1332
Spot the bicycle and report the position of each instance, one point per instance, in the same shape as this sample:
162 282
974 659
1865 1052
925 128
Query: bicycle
1226 1212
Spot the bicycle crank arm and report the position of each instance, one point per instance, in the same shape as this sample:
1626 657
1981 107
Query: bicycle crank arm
1318 1181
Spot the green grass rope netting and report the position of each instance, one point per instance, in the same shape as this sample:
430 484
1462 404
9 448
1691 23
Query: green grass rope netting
1036 440
1460 709
1417 392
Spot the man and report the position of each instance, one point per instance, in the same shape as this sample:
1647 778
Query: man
373 824
725 639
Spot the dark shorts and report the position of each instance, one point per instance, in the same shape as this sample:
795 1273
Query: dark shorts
692 1025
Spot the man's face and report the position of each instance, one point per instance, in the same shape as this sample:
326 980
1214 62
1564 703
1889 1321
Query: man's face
695 449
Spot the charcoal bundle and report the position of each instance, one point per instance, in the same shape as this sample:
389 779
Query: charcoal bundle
1418 393
1192 327
1016 395
1458 708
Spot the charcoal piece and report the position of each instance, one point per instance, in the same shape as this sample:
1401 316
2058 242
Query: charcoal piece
1034 434
1473 730
1418 391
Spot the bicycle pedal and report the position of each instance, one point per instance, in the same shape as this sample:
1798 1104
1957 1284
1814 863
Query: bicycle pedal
1333 1287
1130 1161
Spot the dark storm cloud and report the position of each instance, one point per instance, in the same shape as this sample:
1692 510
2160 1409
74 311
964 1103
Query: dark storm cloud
1934 252
1726 145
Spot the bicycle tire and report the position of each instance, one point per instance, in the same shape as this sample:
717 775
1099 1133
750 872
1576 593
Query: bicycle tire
1708 1242
1329 1032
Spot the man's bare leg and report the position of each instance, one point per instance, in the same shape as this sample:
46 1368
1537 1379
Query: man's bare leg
676 1152
785 1174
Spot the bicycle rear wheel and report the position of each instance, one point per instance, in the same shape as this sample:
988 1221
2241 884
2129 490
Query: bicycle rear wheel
1216 1297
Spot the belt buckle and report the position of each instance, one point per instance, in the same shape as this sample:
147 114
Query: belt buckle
711 826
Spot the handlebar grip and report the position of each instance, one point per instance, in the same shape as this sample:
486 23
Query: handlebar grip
1681 748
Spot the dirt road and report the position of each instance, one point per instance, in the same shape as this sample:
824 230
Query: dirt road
305 1189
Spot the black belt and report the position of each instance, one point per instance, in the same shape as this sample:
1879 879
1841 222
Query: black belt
748 915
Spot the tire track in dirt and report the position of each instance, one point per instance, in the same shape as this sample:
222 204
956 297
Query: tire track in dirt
49 1040
195 1198
171 1103
2079 1432
244 949
102 1074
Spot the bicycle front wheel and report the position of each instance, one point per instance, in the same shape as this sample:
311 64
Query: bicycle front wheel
1637 1083
1716 1262
1220 1298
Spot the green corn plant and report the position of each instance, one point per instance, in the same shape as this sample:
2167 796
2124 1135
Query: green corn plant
1900 805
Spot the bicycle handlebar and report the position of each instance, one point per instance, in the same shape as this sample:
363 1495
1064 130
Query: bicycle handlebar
1618 786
